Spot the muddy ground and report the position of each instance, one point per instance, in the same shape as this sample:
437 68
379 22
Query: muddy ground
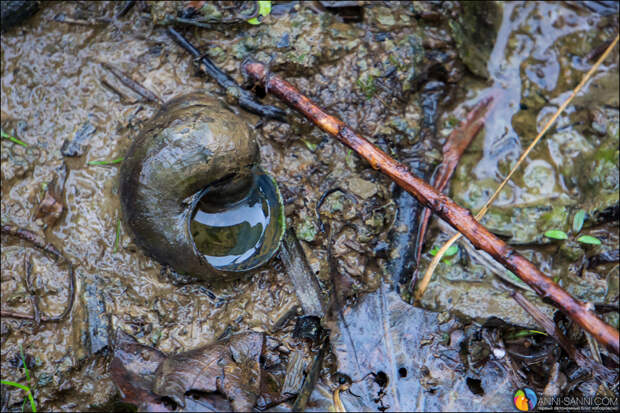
402 75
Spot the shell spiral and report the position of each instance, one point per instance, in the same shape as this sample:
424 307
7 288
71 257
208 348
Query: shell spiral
193 142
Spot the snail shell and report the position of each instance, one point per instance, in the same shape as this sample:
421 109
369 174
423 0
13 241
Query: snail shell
196 151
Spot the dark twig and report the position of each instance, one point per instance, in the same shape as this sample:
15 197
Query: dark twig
61 18
246 99
33 297
458 217
190 22
132 84
126 7
124 98
311 377
40 243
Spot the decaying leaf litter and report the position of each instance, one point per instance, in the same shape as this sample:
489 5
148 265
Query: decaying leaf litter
403 114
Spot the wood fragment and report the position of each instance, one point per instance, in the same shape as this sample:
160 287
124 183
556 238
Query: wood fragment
124 98
61 18
311 378
132 84
458 217
301 275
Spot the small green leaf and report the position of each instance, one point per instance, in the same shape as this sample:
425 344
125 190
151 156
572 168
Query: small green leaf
113 161
264 9
556 234
311 146
453 249
524 333
580 216
12 139
587 239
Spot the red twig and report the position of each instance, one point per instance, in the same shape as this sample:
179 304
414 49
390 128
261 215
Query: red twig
458 217
453 150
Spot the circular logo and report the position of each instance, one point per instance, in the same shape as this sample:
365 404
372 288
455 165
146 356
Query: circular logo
525 399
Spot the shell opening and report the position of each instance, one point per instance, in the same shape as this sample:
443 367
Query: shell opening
240 235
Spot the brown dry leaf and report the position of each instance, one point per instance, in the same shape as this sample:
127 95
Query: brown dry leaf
51 206
230 367
132 369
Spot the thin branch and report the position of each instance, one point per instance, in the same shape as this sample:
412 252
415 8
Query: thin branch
132 84
40 243
458 217
435 262
453 150
245 98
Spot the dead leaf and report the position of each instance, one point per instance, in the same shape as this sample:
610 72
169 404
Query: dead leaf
132 369
231 368
51 207
389 338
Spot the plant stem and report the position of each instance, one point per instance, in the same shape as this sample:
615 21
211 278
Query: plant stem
110 162
14 140
458 217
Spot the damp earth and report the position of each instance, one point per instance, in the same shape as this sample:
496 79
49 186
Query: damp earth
404 75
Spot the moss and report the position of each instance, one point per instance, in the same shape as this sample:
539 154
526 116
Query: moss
306 230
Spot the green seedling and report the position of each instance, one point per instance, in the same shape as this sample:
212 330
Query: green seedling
580 216
264 9
561 235
450 252
12 139
26 389
587 239
523 333
110 162
556 234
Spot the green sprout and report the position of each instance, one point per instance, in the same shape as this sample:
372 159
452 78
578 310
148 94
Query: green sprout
12 139
580 216
311 146
523 333
367 86
453 249
264 9
587 239
26 389
110 162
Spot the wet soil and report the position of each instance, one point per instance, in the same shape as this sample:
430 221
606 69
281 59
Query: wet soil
367 73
